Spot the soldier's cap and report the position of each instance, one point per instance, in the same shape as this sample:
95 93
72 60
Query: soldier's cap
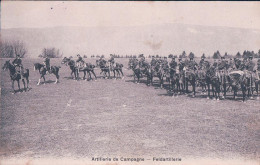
17 55
222 57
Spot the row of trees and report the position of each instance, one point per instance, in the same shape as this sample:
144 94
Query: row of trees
10 49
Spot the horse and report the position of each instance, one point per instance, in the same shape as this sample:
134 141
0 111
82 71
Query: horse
177 80
257 82
16 76
190 77
212 79
136 69
116 68
159 71
102 64
90 69
43 70
239 80
72 65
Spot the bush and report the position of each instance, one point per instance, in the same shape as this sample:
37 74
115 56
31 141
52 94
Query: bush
51 53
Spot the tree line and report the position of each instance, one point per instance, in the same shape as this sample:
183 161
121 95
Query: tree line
10 49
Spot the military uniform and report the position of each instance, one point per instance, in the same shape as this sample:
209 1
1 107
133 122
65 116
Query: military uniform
18 64
192 65
80 61
173 64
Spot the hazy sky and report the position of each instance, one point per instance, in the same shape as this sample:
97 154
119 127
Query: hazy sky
15 14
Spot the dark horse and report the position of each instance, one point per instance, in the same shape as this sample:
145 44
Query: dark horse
117 68
72 65
16 76
137 71
75 70
190 77
213 79
239 80
43 70
177 80
104 68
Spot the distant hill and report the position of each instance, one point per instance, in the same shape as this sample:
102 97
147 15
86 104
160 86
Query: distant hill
150 39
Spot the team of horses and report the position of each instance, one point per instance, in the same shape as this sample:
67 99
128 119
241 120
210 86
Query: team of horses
211 80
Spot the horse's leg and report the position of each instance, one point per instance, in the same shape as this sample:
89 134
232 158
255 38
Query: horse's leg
43 79
114 73
186 85
39 81
208 84
122 73
92 71
194 87
24 85
18 83
71 74
27 80
256 89
13 87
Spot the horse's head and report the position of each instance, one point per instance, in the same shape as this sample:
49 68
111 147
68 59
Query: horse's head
37 66
65 60
6 65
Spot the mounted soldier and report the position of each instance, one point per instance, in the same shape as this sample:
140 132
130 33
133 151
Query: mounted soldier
192 65
79 62
173 64
47 64
153 61
18 65
203 64
111 62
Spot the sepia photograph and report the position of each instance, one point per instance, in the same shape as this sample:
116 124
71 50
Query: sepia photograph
129 82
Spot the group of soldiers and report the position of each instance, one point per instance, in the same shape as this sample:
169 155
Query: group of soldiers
222 65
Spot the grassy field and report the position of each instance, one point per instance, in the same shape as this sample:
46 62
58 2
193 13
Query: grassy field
121 118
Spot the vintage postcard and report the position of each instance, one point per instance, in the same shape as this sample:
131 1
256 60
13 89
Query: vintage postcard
129 82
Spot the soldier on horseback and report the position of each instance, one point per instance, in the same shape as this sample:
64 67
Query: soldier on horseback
18 64
46 63
79 62
173 65
111 62
153 61
203 64
192 65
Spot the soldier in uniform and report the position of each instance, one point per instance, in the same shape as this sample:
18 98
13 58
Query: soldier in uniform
18 64
192 65
79 62
173 65
231 64
258 65
112 61
181 65
47 64
153 61
250 65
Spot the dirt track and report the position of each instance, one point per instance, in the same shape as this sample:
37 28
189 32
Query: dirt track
120 118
